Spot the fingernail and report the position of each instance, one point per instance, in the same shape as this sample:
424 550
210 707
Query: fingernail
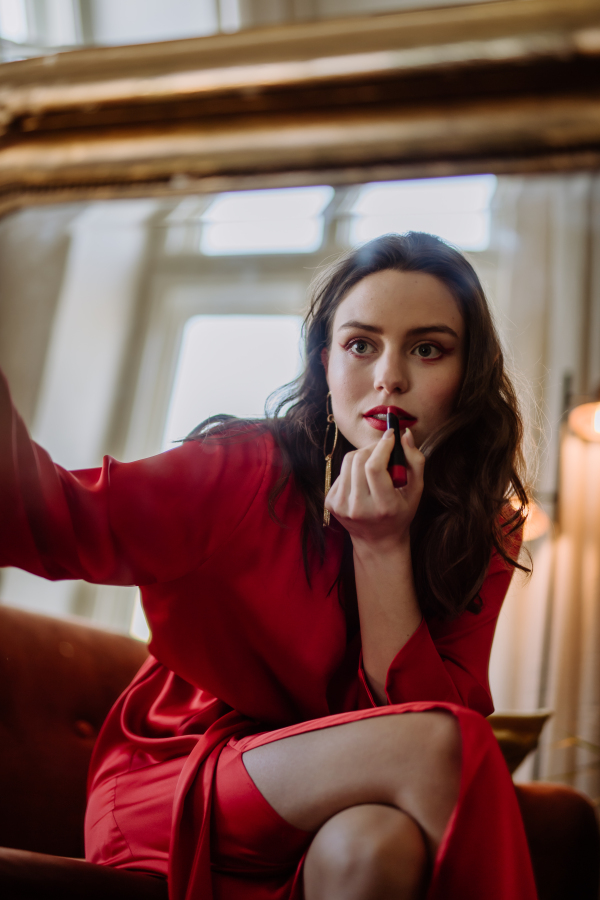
409 436
389 433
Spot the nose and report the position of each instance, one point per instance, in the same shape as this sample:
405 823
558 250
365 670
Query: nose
391 373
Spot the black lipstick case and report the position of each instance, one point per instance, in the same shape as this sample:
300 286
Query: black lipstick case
397 465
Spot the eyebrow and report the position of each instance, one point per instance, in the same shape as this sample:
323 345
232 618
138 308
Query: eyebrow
414 332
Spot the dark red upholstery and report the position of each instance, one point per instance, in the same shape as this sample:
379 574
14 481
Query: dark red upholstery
36 876
562 832
58 679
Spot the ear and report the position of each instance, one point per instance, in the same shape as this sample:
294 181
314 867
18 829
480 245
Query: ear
325 359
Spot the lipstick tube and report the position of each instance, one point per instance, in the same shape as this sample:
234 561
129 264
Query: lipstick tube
397 463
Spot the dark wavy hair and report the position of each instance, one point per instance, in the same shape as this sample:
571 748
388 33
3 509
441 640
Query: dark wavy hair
474 462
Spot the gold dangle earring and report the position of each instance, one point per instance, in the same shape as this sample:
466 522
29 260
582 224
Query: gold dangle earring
328 456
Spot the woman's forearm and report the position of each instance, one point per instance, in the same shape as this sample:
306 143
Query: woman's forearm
387 604
377 516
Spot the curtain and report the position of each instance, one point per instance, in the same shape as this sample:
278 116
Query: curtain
545 286
571 747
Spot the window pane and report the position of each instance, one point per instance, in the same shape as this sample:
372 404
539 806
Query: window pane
278 236
13 20
287 220
456 209
277 203
230 364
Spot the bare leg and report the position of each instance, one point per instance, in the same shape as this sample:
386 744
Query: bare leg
366 851
408 762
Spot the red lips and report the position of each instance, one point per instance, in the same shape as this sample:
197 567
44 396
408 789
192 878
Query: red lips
405 419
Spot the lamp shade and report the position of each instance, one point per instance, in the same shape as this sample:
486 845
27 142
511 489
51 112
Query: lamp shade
584 420
537 522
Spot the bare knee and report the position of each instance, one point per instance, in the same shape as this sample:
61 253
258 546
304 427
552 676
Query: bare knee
443 740
368 851
437 751
430 788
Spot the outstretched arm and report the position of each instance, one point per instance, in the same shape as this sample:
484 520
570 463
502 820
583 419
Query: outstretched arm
133 523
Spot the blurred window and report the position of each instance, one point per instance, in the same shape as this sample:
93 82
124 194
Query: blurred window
13 21
230 364
456 209
288 220
136 21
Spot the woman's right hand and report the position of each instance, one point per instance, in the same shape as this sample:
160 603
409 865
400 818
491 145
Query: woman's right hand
364 500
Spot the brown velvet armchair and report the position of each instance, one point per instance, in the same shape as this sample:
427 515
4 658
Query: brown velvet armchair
58 679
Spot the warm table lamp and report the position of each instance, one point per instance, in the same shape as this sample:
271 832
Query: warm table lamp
584 420
537 522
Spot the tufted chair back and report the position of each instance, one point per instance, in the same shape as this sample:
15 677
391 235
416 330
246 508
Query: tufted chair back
58 680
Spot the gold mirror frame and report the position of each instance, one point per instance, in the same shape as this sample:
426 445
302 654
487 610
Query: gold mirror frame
508 86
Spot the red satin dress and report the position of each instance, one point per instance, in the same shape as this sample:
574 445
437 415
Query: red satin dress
244 652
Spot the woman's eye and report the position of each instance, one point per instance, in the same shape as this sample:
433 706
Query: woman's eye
361 348
427 351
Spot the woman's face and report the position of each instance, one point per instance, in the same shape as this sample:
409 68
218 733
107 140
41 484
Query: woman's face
398 340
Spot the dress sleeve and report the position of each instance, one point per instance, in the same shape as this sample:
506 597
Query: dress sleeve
123 523
448 661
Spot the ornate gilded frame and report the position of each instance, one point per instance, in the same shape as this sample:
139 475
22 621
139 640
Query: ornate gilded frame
503 86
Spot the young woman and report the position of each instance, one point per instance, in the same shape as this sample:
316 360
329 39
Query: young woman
310 723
